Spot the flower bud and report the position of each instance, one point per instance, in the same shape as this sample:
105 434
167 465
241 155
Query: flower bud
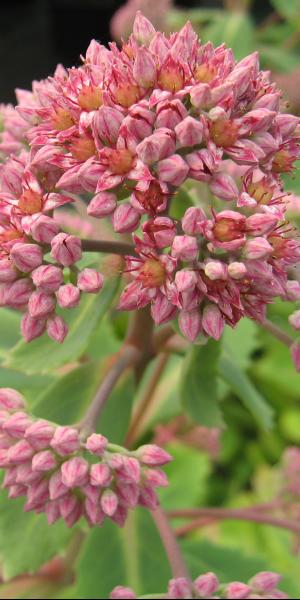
265 582
237 590
65 441
66 249
100 475
144 68
155 477
215 269
143 30
157 146
153 455
40 304
206 585
39 434
32 328
173 170
20 453
90 280
109 502
102 204
294 319
8 272
56 487
257 248
261 223
185 279
16 424
125 218
68 296
185 247
26 256
189 132
224 187
212 321
237 270
10 399
44 461
96 444
47 277
179 588
18 293
190 324
130 471
44 229
120 593
292 289
57 329
193 220
74 472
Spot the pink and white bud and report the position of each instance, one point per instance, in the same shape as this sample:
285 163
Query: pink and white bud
32 328
67 505
206 585
160 230
52 512
100 475
41 304
18 293
47 277
185 279
155 478
215 269
190 324
20 453
128 494
292 289
8 272
193 221
57 329
189 132
237 270
96 444
261 223
125 218
39 434
148 497
106 124
122 593
26 257
173 170
102 205
130 471
157 146
26 475
236 590
16 424
10 399
74 472
152 455
56 487
257 248
44 461
294 319
144 68
68 296
162 310
44 229
224 187
265 582
16 491
65 441
185 247
179 588
66 249
212 321
143 30
200 95
90 280
109 502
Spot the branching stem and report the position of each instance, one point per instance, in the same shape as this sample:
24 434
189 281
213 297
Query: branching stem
171 546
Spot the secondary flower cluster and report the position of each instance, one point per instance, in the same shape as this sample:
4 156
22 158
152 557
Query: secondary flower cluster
262 585
127 129
68 478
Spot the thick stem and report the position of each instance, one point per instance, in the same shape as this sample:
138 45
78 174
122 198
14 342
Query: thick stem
171 546
239 514
140 335
128 358
277 332
111 247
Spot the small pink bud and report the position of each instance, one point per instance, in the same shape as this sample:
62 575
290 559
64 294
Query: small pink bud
153 455
125 218
261 223
52 512
190 324
294 319
155 478
68 296
18 293
96 443
8 272
212 321
20 453
16 425
257 248
10 477
206 585
193 220
43 461
40 304
56 487
215 269
236 590
66 249
16 491
265 582
162 310
4 462
185 279
189 132
173 170
74 472
144 68
26 475
10 399
44 229
102 205
109 502
179 588
293 290
128 494
224 187
65 441
185 247
160 231
32 328
91 492
67 505
106 125
237 270
130 471
200 95
57 329
157 146
47 277
93 512
39 434
75 515
90 280
143 29
26 256
120 593
148 497
100 475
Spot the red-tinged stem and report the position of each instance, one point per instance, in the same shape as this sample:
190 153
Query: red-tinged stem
169 541
277 332
239 514
111 247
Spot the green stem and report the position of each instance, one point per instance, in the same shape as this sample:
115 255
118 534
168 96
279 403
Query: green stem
110 247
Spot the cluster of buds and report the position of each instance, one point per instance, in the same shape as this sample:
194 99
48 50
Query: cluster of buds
130 127
262 585
67 477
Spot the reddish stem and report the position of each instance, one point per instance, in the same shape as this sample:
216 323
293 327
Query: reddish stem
171 546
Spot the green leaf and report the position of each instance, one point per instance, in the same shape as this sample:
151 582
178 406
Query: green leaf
26 540
10 330
181 201
289 9
132 557
227 28
199 385
29 385
277 58
241 341
44 355
243 387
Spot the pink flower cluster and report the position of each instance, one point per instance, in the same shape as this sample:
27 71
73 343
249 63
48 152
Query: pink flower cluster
262 585
129 128
68 478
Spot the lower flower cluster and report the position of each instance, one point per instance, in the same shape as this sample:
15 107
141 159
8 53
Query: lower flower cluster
262 585
68 478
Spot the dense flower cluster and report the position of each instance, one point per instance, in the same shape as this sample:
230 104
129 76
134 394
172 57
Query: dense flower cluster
128 128
68 478
262 585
